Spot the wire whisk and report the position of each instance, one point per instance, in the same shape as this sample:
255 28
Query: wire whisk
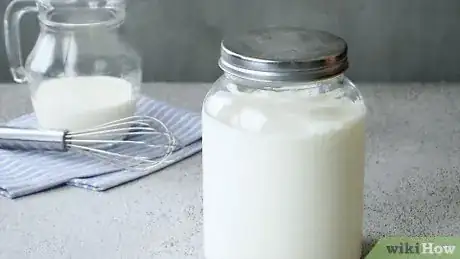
118 143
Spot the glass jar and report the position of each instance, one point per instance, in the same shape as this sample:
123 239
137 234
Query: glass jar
283 149
80 71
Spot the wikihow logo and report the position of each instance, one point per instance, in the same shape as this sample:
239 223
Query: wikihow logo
416 247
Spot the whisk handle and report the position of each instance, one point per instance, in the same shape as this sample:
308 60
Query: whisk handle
32 139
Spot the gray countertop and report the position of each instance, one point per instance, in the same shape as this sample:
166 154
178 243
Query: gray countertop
412 185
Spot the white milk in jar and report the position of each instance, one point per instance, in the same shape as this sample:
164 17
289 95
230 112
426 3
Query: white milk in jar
83 102
283 166
282 182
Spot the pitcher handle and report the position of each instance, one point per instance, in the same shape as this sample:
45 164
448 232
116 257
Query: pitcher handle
13 14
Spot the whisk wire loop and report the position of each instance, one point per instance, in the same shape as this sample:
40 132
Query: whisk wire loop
112 142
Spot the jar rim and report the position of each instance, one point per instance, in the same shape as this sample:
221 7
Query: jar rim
114 18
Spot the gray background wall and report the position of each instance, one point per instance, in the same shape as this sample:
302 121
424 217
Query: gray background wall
389 40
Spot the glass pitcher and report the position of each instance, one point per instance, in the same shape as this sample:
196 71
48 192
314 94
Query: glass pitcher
81 73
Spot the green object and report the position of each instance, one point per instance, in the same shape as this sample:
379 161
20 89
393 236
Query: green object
416 247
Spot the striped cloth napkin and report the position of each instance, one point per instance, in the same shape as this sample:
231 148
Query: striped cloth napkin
27 172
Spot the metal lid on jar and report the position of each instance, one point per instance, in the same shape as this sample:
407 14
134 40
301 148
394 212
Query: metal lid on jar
284 54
